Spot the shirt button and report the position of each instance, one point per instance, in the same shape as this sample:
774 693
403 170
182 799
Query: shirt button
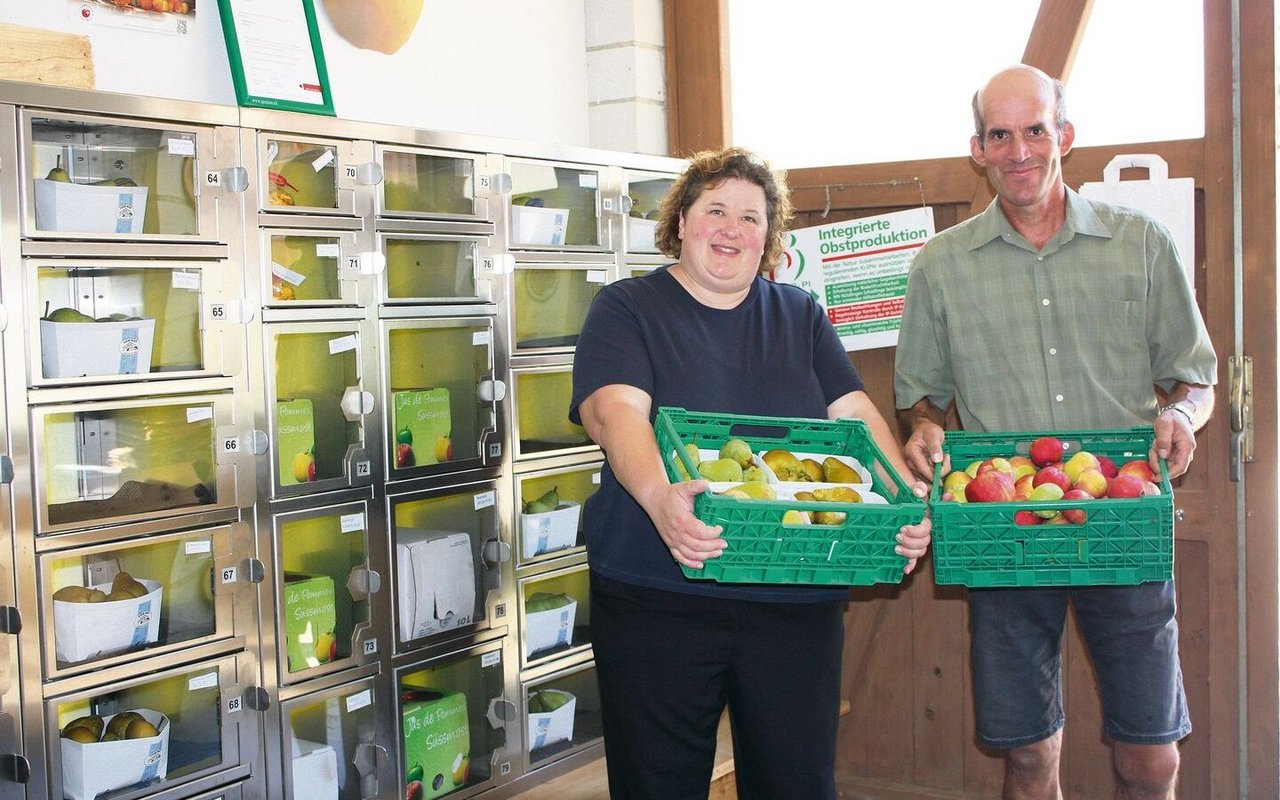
1044 302
1039 258
1058 398
1053 351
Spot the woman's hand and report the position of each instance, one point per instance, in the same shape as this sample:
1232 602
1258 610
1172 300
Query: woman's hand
690 540
913 541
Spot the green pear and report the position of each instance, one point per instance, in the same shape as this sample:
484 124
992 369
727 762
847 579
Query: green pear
58 173
721 470
68 315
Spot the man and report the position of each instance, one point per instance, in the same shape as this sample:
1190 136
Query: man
1051 312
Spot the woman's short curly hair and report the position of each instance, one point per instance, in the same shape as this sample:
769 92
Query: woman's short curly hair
709 169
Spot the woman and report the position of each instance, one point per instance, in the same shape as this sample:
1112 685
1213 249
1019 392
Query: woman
708 333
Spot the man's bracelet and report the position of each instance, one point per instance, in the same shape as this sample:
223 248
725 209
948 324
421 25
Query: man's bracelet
1181 409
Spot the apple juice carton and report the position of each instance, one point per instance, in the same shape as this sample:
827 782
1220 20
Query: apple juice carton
423 427
310 615
295 441
437 742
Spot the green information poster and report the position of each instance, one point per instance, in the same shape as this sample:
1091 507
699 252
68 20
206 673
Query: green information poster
275 54
857 271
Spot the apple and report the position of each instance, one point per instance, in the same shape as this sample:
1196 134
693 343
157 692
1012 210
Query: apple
1140 468
1052 474
1124 486
954 484
1091 481
1150 488
1076 516
404 456
997 462
1046 492
1107 466
1045 450
1025 518
1022 466
1079 463
1022 487
990 486
1056 519
972 469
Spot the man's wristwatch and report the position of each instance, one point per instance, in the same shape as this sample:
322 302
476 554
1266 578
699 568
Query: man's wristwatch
1181 409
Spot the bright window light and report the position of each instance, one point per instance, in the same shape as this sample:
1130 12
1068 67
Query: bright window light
826 83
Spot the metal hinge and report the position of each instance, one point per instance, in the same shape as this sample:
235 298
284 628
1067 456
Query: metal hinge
1240 372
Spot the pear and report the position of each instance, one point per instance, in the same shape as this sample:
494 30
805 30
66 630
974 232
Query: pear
795 517
836 471
785 465
837 494
721 470
828 517
738 450
813 469
140 728
68 315
548 501
72 594
58 173
695 455
757 490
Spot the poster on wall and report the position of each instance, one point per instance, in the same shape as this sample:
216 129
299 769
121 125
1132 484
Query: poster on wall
275 54
157 16
857 271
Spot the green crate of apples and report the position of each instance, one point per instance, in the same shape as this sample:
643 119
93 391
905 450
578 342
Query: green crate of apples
828 518
1076 508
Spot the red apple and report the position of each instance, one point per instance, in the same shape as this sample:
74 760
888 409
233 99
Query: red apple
1078 463
1140 468
990 486
1021 466
1045 450
1056 519
1124 486
1107 466
1046 492
1052 474
1025 518
998 463
1091 481
1150 488
954 485
1076 516
1022 487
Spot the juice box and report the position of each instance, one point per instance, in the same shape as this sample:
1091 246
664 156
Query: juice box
423 427
310 615
295 441
437 742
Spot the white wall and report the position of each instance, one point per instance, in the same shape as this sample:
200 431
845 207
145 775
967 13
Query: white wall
507 68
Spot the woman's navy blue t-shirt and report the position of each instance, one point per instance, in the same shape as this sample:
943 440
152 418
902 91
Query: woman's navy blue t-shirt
775 354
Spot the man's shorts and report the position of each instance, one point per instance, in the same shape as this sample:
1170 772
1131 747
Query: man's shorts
1132 636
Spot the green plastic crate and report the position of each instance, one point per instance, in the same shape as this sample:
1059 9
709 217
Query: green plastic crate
760 548
1121 542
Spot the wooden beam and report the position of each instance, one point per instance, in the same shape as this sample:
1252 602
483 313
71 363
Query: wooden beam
949 181
697 63
1055 36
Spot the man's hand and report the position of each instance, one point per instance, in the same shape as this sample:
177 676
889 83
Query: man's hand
924 449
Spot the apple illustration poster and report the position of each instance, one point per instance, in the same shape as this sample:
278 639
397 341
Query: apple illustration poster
857 271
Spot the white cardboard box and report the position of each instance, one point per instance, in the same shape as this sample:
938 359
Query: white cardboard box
539 225
640 235
315 771
549 531
550 628
549 727
77 208
94 630
436 581
88 770
75 349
